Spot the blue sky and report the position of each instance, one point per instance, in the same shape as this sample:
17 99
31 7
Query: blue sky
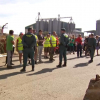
20 13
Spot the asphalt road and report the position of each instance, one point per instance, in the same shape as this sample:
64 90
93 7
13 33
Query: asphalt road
47 82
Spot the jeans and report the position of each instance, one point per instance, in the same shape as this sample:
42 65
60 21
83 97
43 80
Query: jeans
28 52
9 57
62 53
71 49
79 50
40 48
51 52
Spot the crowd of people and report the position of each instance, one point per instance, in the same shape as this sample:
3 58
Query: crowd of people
30 46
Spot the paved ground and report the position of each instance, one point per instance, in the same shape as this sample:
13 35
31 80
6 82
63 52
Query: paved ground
47 82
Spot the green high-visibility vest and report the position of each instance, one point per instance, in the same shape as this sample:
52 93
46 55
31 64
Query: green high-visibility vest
20 45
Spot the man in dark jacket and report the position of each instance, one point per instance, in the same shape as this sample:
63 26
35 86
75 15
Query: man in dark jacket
62 48
29 42
91 44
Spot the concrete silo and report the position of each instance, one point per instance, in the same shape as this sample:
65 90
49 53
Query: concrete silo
42 25
55 25
98 27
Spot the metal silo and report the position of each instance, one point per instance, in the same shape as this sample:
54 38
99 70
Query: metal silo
45 26
59 28
67 27
61 24
98 27
55 25
70 27
42 25
50 26
37 26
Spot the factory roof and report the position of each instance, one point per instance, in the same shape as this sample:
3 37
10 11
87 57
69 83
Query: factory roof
77 31
91 31
29 25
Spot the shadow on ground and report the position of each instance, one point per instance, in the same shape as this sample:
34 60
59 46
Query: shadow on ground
81 65
72 58
48 61
5 68
43 71
98 64
75 58
9 75
16 60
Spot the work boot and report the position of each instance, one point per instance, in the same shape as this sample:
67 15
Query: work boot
32 68
59 66
64 65
29 62
22 70
12 64
9 67
51 60
46 57
90 61
35 62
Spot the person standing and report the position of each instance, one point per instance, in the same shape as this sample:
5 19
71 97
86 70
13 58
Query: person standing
12 52
40 45
46 46
28 42
71 45
36 47
52 45
79 46
64 40
91 45
19 47
9 48
56 49
73 37
97 44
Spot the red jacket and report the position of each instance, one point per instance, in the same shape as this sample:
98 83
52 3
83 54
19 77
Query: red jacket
79 40
57 40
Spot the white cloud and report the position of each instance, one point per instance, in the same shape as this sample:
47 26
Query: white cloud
20 14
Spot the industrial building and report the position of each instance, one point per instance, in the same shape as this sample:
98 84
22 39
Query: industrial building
98 27
54 24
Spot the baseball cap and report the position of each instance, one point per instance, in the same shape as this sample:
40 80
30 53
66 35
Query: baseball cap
49 32
21 33
63 29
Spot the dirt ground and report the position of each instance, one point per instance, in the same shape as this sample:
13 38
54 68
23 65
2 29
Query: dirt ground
47 82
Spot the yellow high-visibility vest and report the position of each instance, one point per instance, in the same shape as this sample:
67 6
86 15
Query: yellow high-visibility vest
36 40
20 45
47 42
53 41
